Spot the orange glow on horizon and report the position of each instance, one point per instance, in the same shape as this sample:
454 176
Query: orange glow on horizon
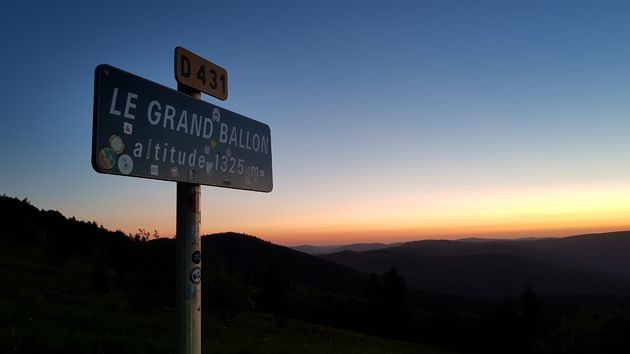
562 211
488 213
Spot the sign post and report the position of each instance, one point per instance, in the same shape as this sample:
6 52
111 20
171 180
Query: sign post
188 258
143 129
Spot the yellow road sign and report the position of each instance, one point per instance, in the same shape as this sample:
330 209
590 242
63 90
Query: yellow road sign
196 72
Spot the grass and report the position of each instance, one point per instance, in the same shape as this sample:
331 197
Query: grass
52 309
259 333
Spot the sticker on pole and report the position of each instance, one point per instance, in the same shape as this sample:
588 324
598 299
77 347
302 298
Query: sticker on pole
195 276
196 257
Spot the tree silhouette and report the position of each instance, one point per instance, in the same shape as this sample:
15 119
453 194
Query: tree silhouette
531 319
387 296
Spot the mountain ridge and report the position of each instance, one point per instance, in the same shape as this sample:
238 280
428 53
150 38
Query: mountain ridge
318 250
581 264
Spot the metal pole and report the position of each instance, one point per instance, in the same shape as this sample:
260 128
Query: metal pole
188 270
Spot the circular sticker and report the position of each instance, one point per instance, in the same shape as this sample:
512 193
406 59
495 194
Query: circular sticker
107 158
125 164
195 275
196 257
116 143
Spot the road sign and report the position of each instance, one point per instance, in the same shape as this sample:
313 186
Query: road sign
143 129
196 72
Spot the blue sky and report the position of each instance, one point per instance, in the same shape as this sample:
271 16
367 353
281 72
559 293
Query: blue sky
390 120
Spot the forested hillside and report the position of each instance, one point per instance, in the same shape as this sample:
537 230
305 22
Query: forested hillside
73 286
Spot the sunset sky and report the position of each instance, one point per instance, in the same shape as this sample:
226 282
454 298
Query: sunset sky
390 120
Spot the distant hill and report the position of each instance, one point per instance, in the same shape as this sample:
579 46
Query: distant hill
315 250
585 264
357 247
608 252
252 255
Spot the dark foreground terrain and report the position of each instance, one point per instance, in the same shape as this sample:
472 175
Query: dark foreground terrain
73 287
56 309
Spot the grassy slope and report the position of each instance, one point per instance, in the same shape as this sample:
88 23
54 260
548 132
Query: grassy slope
52 309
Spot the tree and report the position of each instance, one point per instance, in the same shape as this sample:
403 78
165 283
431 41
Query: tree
387 295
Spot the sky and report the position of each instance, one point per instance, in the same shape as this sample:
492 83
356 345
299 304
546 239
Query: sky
390 120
